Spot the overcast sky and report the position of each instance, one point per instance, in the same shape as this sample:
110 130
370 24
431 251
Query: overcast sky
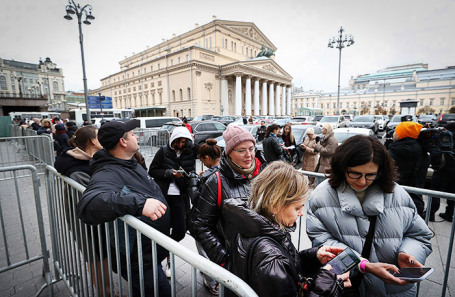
386 33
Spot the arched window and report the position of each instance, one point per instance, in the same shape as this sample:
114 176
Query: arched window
3 85
189 93
173 95
55 86
181 95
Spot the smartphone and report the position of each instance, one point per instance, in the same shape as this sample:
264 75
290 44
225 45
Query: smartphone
414 274
344 261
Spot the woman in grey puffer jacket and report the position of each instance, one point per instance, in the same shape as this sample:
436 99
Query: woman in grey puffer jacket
361 185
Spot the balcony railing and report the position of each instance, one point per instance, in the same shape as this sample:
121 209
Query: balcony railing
22 96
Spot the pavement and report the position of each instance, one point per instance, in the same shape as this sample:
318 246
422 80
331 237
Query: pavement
27 280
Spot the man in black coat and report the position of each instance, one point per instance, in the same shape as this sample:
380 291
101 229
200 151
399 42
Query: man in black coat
120 186
410 159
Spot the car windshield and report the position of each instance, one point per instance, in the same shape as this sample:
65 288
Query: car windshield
396 118
329 119
426 117
363 119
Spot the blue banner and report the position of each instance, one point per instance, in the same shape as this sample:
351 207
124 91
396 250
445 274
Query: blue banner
94 102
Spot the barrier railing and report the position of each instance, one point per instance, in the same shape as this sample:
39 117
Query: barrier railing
150 140
16 221
106 254
35 150
319 177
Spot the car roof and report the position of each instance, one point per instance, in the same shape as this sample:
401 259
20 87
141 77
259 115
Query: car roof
353 130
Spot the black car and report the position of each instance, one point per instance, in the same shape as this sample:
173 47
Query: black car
445 118
206 129
364 121
225 120
427 120
206 117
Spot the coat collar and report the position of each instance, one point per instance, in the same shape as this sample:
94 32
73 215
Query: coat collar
373 204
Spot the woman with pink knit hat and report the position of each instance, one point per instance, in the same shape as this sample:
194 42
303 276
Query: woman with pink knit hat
238 166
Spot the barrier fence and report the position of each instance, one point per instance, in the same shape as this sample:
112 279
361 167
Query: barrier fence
150 140
87 257
17 224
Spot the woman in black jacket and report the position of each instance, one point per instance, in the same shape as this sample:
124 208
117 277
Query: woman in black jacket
273 150
238 166
166 168
262 252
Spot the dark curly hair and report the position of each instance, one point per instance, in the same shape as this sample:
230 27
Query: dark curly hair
359 150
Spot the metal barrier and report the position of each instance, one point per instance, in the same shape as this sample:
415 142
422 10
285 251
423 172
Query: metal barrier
150 140
319 177
15 220
74 244
26 150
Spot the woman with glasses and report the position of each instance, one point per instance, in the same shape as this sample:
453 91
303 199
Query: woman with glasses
238 166
361 207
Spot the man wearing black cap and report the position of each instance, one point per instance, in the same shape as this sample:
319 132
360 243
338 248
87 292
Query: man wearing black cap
120 186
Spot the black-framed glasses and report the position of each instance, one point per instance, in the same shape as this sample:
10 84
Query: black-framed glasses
368 176
251 150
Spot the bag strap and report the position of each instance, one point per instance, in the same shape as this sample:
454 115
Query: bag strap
218 179
369 239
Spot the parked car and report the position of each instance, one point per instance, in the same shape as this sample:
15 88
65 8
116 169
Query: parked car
317 118
365 121
427 120
225 120
382 121
444 118
348 117
303 120
206 129
336 121
156 122
341 134
396 119
206 117
281 122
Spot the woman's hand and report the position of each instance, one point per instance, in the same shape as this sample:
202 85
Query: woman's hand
176 174
345 278
406 260
382 271
327 253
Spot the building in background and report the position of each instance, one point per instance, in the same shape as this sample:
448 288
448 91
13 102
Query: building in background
223 67
31 87
382 92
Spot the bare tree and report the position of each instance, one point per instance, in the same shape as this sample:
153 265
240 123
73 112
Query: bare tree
426 110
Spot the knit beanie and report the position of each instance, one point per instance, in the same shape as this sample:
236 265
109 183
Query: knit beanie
309 131
408 129
234 135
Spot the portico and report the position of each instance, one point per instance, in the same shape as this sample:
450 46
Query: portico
245 78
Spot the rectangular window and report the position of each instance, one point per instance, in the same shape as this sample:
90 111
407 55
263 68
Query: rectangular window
210 42
172 62
421 102
431 101
453 101
179 60
328 105
334 105
441 101
159 66
355 104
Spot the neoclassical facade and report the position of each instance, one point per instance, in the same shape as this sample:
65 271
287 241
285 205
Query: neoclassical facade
212 69
34 86
434 90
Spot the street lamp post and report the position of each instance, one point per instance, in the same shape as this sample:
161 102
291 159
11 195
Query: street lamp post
340 41
73 8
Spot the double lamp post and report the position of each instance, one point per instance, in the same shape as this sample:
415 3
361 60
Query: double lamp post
73 8
340 41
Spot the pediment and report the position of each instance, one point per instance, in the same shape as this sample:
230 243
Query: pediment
249 30
268 66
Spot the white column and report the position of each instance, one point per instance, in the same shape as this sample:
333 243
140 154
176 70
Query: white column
264 98
256 97
289 101
238 94
248 96
224 96
283 102
277 100
271 98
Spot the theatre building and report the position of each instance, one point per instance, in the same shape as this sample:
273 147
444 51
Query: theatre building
223 67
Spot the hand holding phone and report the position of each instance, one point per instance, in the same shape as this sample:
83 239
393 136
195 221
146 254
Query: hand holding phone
414 274
344 261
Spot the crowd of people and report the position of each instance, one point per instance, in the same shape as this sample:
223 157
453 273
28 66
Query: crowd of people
242 209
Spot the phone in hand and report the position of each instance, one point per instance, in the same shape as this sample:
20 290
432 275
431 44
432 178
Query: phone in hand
344 261
414 274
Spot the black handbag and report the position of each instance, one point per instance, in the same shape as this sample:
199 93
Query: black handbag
356 280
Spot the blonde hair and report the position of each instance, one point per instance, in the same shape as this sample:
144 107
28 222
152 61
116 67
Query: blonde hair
277 186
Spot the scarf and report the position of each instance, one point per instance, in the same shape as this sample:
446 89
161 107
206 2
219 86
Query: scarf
245 172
